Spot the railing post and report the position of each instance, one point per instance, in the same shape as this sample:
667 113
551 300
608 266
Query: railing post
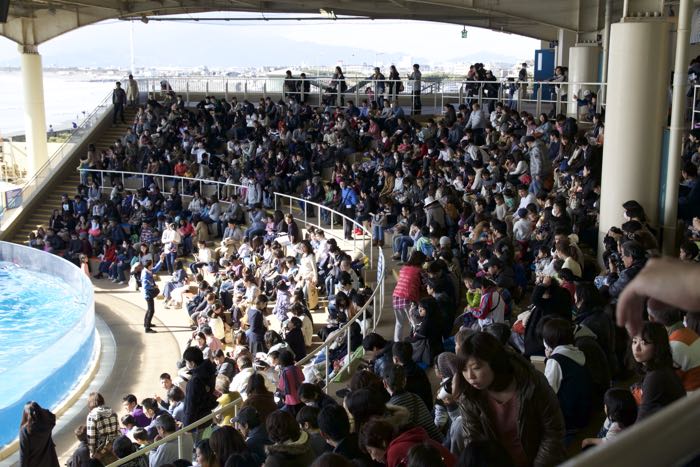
460 95
264 88
538 97
180 448
206 86
480 98
226 90
187 92
325 376
245 89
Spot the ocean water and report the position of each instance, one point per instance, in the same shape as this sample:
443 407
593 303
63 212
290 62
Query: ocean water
66 97
35 310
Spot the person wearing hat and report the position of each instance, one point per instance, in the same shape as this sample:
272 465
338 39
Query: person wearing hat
434 212
248 424
119 101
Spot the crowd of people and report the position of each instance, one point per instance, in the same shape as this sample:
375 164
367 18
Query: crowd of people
492 218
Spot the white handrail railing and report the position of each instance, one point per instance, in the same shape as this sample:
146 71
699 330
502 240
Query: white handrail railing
377 297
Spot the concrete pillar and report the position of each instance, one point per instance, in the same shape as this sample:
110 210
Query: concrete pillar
566 40
34 111
583 68
635 118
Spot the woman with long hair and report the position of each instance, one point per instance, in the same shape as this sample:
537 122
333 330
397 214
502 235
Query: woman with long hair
502 398
660 385
36 446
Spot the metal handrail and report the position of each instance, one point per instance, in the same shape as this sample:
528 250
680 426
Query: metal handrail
179 434
76 137
377 296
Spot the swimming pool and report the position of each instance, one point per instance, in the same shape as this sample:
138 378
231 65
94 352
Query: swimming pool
47 331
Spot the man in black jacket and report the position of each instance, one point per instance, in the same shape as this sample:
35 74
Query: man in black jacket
416 380
199 395
334 424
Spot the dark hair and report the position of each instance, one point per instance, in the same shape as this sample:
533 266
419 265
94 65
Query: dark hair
558 331
424 454
130 398
149 404
225 441
588 295
194 355
127 419
122 447
309 392
403 351
206 450
364 404
690 248
256 385
308 415
331 459
286 358
417 258
32 414
621 406
334 422
487 348
395 377
655 333
376 434
373 341
281 427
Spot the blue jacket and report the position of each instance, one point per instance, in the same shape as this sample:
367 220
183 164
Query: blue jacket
148 283
348 197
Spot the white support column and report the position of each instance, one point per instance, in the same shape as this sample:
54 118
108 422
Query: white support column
34 111
635 118
583 68
675 145
566 40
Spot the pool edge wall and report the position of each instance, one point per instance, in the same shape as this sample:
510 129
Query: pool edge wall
59 367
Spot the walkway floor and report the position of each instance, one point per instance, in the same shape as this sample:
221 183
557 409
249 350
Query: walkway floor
141 358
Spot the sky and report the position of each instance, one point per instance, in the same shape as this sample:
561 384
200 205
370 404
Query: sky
221 44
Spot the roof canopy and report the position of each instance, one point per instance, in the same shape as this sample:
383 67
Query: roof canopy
32 22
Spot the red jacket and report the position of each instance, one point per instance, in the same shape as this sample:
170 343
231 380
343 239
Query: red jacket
408 285
397 452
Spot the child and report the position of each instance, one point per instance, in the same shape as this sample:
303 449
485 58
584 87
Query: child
81 456
282 303
621 413
140 437
128 424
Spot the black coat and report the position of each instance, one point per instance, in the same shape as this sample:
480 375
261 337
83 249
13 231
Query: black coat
199 396
36 447
558 305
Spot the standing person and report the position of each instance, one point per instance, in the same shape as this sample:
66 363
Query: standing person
132 91
660 385
150 291
256 325
291 378
119 101
522 80
338 87
415 77
406 293
199 393
394 84
348 201
102 426
36 447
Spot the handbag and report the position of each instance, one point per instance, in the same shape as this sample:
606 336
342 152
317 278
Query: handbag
154 293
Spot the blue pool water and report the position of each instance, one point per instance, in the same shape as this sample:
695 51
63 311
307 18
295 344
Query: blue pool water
47 332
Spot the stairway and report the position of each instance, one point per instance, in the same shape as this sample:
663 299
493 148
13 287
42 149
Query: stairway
51 200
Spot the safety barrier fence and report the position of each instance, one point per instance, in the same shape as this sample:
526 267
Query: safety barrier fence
695 107
284 202
533 96
360 244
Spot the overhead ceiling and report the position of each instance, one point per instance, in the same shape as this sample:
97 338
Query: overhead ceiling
33 22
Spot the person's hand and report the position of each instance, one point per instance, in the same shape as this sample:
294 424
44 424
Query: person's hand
547 281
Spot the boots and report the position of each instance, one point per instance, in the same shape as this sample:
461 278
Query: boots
381 243
374 242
